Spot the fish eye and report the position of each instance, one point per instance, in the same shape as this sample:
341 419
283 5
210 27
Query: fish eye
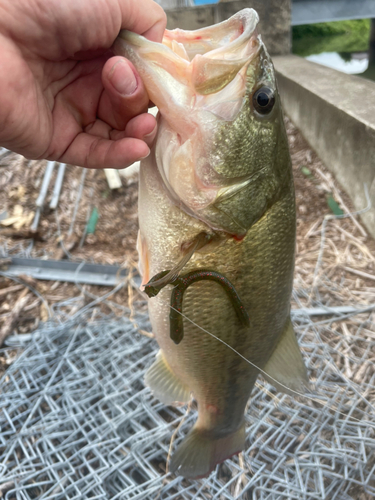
263 100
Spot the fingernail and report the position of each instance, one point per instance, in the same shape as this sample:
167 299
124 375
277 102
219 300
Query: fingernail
123 78
151 135
143 157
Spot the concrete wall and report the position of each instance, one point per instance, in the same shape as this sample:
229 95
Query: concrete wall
191 18
274 25
336 114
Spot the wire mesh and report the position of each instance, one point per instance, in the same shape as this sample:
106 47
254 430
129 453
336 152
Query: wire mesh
77 421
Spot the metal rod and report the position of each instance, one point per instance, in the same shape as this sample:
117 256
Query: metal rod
65 271
327 311
58 186
4 153
78 199
42 195
46 180
34 225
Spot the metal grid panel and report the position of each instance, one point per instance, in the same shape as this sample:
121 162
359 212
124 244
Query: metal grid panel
77 421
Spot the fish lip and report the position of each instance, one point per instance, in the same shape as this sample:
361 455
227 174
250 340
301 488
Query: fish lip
185 73
247 19
192 68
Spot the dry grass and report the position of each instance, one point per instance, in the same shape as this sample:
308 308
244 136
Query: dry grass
345 274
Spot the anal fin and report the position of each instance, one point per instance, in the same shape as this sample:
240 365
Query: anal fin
286 368
164 383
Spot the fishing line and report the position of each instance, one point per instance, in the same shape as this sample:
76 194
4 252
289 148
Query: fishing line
314 400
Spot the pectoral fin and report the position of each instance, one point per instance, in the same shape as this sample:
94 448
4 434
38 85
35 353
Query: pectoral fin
164 383
286 369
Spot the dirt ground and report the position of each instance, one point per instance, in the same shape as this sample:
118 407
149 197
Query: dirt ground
347 252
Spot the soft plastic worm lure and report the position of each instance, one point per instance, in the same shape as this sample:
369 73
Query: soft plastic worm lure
181 284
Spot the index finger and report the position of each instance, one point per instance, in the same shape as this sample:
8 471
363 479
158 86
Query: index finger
144 17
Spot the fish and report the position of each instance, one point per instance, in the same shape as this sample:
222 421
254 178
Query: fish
217 229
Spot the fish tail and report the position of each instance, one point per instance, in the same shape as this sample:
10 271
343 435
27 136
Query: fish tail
201 451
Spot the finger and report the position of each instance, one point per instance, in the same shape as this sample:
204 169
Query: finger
141 127
99 129
95 152
146 18
124 94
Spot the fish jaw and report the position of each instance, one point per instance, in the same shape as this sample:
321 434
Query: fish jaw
198 80
188 66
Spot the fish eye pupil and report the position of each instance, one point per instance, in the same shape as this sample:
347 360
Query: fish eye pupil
263 100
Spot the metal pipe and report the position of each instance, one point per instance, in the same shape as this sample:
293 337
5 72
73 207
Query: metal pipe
58 186
4 153
78 199
46 180
42 195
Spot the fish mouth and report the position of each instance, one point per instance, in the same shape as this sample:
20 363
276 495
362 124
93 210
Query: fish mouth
218 40
190 65
218 53
198 80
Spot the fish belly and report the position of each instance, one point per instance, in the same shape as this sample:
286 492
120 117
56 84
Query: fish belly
261 269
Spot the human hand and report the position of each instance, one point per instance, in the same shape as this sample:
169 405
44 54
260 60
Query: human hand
62 94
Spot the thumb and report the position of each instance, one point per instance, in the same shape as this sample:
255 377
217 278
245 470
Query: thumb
124 95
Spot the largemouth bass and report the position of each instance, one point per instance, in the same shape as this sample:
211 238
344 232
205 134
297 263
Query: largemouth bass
217 221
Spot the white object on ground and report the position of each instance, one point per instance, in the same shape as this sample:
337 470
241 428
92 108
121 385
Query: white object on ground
113 178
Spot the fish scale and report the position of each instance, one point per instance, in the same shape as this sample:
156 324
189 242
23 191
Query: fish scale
219 166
